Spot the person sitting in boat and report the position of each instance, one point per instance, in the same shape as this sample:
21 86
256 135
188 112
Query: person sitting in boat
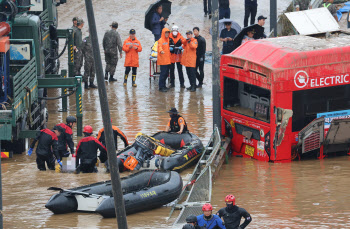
208 220
86 156
192 223
176 122
233 214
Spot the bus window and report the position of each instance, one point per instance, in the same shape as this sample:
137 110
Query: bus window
308 103
246 99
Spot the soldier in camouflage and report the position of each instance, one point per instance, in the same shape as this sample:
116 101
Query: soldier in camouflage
74 20
89 64
78 43
111 44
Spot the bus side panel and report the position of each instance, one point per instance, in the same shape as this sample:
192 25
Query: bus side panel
284 100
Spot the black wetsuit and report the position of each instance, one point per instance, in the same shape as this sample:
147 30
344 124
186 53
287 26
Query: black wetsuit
65 139
47 146
87 154
232 217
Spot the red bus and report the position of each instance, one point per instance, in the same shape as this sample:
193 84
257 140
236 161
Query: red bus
278 90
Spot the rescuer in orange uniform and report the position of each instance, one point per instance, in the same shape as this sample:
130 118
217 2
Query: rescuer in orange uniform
176 122
189 58
176 53
131 47
164 58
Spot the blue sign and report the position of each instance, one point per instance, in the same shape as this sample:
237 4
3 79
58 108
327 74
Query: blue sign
329 116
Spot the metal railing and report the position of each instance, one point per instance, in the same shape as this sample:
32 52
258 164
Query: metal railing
199 187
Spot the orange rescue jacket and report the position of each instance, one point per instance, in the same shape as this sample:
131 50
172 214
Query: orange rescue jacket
132 55
177 40
189 55
163 46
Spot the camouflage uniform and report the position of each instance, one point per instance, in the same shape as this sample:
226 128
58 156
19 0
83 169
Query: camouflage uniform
78 54
303 4
111 44
89 64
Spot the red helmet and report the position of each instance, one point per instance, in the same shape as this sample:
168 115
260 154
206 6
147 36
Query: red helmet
230 198
87 129
207 207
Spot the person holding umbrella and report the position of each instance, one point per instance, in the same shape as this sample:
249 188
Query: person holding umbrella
259 28
158 22
227 36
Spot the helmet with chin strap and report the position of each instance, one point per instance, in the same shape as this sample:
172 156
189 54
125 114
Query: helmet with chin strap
207 207
230 198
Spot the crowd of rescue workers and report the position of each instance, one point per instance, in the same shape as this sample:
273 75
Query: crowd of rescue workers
172 50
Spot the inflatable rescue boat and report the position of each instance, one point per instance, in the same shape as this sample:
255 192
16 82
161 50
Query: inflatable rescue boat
145 190
164 150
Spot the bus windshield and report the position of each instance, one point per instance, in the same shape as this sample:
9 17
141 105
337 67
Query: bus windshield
247 99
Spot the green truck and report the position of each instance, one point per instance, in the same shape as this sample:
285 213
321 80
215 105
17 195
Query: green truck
31 66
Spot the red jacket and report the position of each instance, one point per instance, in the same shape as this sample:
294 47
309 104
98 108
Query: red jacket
132 55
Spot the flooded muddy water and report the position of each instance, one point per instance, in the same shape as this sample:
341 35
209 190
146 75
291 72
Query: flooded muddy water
307 194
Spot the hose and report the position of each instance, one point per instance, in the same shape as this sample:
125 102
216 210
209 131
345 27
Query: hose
64 49
58 97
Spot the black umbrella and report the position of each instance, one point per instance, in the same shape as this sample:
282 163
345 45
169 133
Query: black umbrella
238 39
166 4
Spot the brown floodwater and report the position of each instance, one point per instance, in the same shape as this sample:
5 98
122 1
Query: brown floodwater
307 194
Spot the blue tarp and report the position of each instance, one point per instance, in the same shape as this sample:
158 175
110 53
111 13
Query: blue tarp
345 9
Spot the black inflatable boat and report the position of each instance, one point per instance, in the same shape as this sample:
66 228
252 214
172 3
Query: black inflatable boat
186 149
142 191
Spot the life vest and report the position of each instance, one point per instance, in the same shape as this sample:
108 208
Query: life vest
174 124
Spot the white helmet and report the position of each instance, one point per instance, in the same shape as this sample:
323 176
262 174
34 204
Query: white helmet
175 28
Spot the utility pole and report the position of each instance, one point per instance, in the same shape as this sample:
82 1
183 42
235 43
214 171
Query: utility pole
112 156
1 218
273 17
216 64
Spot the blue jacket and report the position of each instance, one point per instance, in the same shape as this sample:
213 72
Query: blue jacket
157 26
210 224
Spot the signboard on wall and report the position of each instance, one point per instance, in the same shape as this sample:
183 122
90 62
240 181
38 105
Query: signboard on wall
329 116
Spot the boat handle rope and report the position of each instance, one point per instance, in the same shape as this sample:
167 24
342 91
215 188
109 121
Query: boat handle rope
191 183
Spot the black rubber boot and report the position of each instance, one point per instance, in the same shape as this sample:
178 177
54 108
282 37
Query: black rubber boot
125 79
92 85
106 76
193 88
86 86
182 86
133 81
111 79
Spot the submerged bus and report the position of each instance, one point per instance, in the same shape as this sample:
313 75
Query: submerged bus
283 98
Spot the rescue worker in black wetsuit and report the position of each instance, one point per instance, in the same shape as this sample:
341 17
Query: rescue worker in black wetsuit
233 214
86 156
177 123
65 140
47 147
116 133
192 222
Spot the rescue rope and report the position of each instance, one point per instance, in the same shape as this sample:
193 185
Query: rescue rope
149 181
191 183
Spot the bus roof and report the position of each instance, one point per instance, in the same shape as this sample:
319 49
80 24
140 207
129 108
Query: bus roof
293 52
